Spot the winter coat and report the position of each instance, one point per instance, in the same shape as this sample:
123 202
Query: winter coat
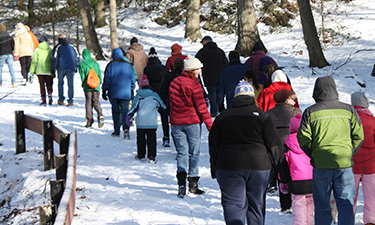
268 82
84 69
155 72
41 62
34 38
213 60
119 77
65 56
254 59
281 115
364 160
138 57
164 86
242 138
146 104
23 43
330 132
6 43
187 102
265 98
229 78
171 59
301 171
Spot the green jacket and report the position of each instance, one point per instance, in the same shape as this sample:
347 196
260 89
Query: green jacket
84 68
41 63
330 132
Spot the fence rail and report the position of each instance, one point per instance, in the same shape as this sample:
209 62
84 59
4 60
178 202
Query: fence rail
63 189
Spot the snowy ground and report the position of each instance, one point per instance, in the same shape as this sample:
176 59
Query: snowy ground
113 188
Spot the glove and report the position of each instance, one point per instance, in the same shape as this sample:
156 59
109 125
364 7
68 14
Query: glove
128 121
104 95
207 102
284 188
16 58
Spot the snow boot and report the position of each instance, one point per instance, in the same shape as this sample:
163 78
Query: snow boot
166 142
49 99
181 181
193 186
100 121
43 103
126 134
89 123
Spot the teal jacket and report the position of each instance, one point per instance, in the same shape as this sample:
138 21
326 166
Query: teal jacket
41 63
84 68
330 132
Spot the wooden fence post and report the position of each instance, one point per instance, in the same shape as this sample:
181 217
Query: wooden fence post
20 132
47 214
64 143
48 145
61 166
57 190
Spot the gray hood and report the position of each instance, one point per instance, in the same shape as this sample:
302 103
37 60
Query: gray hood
325 89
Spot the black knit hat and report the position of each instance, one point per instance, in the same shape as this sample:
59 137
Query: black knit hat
178 63
257 46
133 40
234 55
152 53
283 95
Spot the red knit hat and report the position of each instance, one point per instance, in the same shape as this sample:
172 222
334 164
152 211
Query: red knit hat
176 49
143 82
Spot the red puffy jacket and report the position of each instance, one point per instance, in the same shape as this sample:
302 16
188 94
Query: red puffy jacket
265 98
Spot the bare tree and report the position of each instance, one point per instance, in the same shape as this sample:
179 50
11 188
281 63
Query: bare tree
192 29
248 33
310 35
92 41
113 24
30 11
100 14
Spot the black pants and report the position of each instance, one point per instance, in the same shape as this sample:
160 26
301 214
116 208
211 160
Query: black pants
25 65
164 114
146 136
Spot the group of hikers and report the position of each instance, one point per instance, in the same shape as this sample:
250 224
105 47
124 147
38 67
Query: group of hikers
259 139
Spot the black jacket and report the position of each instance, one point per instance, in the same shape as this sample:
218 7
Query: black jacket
6 43
164 85
214 60
155 72
242 138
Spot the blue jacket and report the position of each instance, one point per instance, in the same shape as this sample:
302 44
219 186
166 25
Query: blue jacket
229 78
66 56
146 104
119 77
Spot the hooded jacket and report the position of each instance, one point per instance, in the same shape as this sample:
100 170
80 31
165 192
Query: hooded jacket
6 43
23 43
138 57
213 60
119 77
330 132
41 63
146 104
171 59
155 72
265 98
84 69
65 55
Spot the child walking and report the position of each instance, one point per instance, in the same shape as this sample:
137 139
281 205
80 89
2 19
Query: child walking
146 104
301 173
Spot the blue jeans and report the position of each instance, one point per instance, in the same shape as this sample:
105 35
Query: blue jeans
70 77
120 108
243 196
341 181
9 60
187 140
212 96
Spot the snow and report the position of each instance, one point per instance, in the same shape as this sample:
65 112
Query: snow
113 188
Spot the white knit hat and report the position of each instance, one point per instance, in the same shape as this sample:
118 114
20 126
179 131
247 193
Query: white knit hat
192 63
279 75
244 88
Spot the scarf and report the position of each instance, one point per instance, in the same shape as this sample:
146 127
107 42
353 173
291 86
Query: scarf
363 110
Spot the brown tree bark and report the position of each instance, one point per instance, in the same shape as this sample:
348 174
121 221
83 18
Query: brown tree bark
92 41
310 35
192 29
30 12
100 14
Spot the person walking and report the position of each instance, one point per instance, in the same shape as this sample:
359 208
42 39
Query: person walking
119 85
137 56
301 174
146 104
6 54
364 160
242 147
176 53
188 111
64 59
23 49
229 78
91 95
330 133
41 66
214 60
33 37
253 61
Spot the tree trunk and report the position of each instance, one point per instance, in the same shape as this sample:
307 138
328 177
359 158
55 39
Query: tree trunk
99 14
248 33
113 24
30 11
92 42
310 35
21 5
192 29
